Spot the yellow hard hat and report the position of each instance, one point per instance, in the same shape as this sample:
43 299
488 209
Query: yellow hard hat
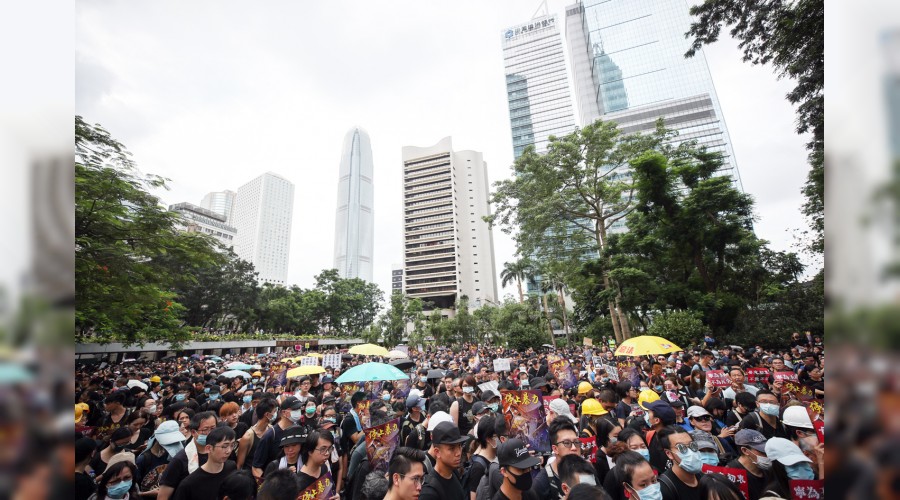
584 387
647 396
155 379
80 410
592 407
256 374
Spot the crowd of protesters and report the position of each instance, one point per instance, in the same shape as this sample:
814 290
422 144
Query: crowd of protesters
177 428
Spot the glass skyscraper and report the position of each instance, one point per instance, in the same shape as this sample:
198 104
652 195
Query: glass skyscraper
354 226
629 67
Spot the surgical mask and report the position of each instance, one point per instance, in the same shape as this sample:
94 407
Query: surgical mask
644 452
651 492
173 449
613 440
119 490
386 397
214 396
201 440
764 463
254 380
423 379
647 419
587 478
248 399
769 409
604 380
310 410
524 384
206 390
709 458
523 482
658 388
468 390
151 409
495 407
330 419
800 471
295 415
696 380
690 462
180 396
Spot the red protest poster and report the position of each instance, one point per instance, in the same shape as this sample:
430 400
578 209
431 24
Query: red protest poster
815 409
785 377
807 489
757 375
718 378
797 391
820 429
381 441
319 490
547 400
734 474
589 449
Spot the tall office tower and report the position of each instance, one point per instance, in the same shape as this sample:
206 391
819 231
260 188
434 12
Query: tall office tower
262 216
220 202
537 85
628 66
202 220
396 278
448 248
354 224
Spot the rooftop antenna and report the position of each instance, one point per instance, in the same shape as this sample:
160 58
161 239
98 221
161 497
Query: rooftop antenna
542 6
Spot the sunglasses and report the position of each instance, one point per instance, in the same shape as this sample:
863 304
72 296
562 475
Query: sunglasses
703 418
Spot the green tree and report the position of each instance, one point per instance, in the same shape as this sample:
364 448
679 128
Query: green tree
349 306
394 320
789 35
464 323
521 325
416 317
517 271
681 327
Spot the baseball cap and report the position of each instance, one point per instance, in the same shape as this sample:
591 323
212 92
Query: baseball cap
136 383
751 438
514 453
447 433
168 433
327 380
560 407
704 440
584 387
647 396
414 399
122 456
662 410
591 406
785 452
796 416
537 382
489 395
292 435
438 418
696 411
478 408
291 403
256 374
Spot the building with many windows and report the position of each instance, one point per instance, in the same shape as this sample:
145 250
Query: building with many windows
354 226
220 202
263 214
196 219
396 279
448 248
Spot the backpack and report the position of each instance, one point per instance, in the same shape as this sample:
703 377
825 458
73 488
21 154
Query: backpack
468 472
485 489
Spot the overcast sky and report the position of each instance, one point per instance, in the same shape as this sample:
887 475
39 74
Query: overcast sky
213 93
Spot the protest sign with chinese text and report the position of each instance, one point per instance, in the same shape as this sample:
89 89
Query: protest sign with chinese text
501 365
807 489
309 361
757 375
526 419
381 441
562 371
362 410
628 371
589 449
785 377
320 489
347 391
331 360
734 474
718 378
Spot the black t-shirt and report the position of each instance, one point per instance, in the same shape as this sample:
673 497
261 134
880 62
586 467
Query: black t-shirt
466 419
304 479
150 469
84 486
348 429
476 471
756 422
756 485
682 491
268 448
177 469
202 485
273 466
437 487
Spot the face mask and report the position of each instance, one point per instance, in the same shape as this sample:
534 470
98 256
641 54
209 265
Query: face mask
523 482
295 415
800 471
709 458
423 379
330 419
468 390
386 397
118 447
604 380
691 462
151 409
613 440
173 449
206 390
644 453
647 420
658 388
214 396
696 380
587 479
310 411
764 463
201 440
254 380
119 490
495 407
248 399
769 409
651 492
179 397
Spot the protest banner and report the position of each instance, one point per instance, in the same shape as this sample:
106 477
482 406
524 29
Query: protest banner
526 419
628 371
815 409
793 390
718 378
381 441
589 449
347 391
820 429
373 389
362 410
401 388
331 360
735 475
611 371
491 385
757 375
320 489
309 361
501 365
785 377
588 342
562 371
807 489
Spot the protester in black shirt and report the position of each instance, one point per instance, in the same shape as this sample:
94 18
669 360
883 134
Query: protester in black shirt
442 483
191 458
516 464
315 452
204 483
291 441
83 486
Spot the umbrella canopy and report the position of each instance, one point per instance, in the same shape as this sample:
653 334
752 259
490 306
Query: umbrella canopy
646 344
368 350
314 355
346 356
403 364
136 383
305 370
547 345
236 373
395 354
368 372
196 356
435 374
237 365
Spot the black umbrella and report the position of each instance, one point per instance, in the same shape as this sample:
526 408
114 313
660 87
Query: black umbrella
346 356
403 364
435 374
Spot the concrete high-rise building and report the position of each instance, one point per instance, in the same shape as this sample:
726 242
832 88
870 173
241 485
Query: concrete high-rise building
537 84
220 202
628 66
201 220
396 278
263 214
354 226
448 248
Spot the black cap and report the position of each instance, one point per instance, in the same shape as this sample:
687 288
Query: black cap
293 435
537 382
291 403
447 433
514 453
478 408
83 448
489 395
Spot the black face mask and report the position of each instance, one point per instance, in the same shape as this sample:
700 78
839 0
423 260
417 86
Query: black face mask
523 481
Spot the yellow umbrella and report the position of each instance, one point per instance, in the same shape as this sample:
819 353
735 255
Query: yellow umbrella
646 344
305 370
368 350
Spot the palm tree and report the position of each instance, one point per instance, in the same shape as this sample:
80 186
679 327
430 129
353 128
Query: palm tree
518 271
553 282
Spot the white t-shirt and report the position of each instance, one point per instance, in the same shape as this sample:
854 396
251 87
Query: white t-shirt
729 392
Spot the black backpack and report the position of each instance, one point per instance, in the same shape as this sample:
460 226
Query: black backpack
468 472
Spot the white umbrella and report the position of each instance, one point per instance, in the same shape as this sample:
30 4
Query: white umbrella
236 373
136 383
395 354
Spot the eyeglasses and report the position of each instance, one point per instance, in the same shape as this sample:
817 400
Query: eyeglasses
205 430
703 418
227 446
419 480
325 449
683 448
568 443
